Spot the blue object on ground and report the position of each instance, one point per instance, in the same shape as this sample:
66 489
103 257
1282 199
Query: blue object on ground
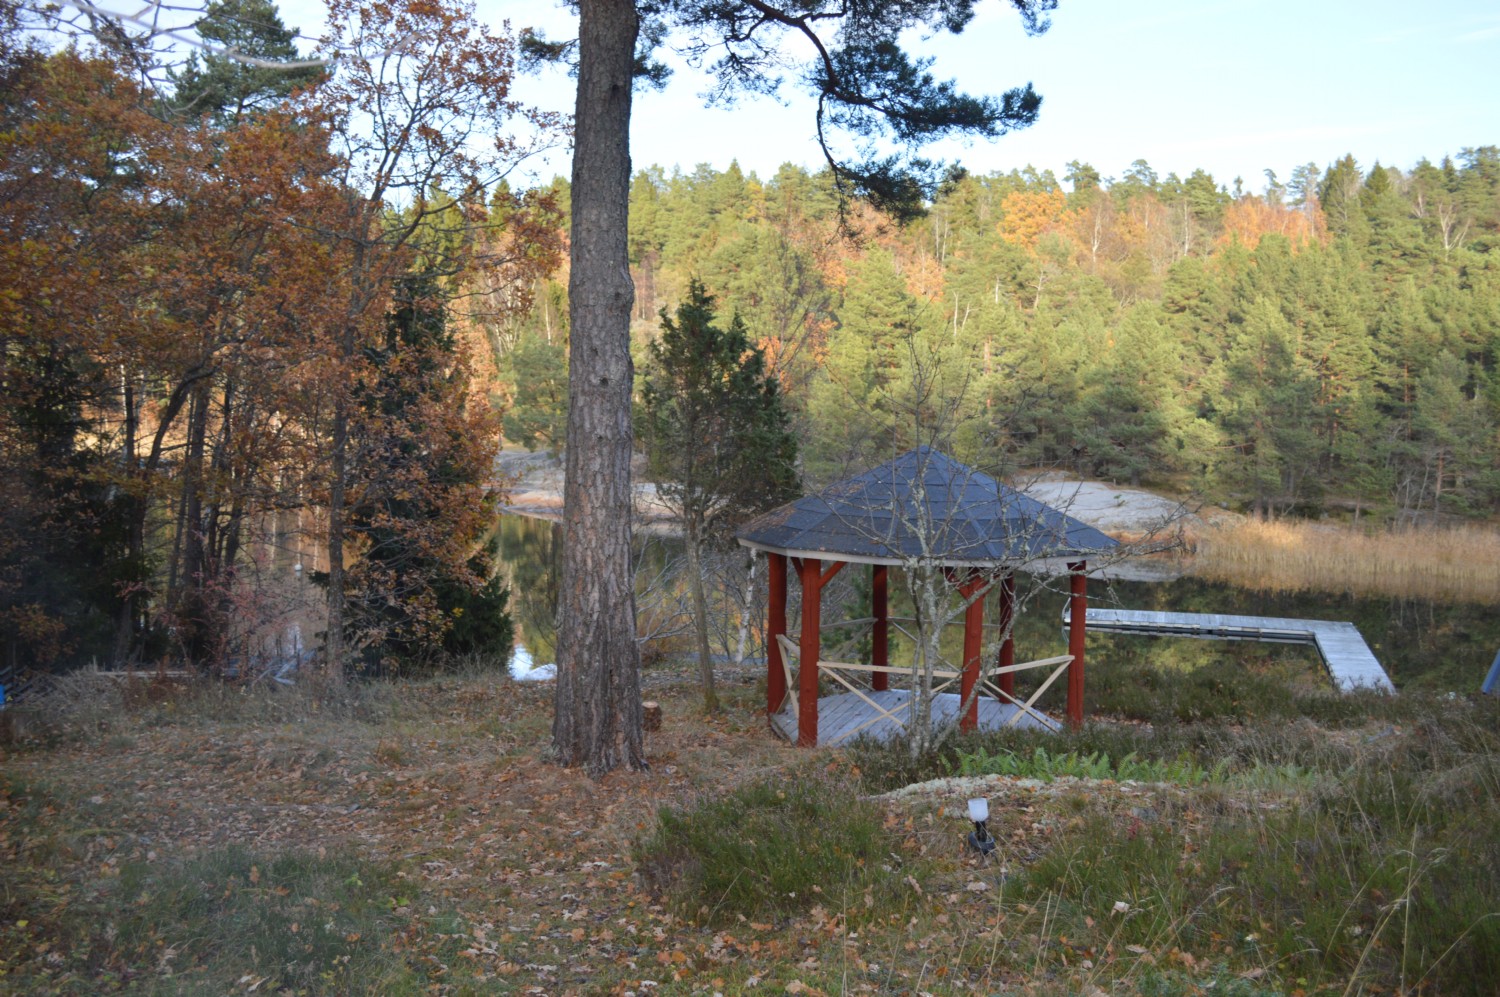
1493 680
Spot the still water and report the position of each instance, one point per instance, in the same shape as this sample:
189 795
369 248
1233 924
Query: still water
1421 644
530 557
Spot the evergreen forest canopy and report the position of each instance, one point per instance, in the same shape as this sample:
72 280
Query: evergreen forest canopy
1331 344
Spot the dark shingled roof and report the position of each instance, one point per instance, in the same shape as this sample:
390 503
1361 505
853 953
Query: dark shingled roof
874 517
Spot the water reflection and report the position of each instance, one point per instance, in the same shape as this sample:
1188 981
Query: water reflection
523 667
1420 643
530 558
530 555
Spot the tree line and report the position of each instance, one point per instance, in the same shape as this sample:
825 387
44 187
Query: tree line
1328 344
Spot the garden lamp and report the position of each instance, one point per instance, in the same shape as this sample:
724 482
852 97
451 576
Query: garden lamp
979 838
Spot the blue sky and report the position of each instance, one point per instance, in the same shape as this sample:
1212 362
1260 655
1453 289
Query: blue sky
1232 86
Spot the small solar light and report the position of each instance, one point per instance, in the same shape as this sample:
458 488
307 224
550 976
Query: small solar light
979 838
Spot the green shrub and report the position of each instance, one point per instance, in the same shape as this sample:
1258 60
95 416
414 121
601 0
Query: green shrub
771 848
1223 689
889 765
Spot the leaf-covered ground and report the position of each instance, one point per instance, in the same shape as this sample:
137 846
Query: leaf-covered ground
419 841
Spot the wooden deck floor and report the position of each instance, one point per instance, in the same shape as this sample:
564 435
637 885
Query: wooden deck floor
840 715
1345 654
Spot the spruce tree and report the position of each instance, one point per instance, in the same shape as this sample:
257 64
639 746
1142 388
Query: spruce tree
420 506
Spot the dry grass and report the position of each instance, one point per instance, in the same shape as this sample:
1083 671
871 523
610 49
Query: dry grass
1461 564
412 838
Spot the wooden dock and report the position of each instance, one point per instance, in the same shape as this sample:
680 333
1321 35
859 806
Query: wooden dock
1345 654
846 717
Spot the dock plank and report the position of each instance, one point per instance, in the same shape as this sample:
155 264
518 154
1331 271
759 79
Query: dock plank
841 714
1349 661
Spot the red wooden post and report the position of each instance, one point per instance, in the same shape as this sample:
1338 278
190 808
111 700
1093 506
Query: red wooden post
807 670
1007 656
880 655
1079 586
775 627
973 633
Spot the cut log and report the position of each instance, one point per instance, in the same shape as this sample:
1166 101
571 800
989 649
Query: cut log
651 715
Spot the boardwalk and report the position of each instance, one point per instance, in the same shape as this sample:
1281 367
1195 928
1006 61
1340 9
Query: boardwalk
1345 654
839 717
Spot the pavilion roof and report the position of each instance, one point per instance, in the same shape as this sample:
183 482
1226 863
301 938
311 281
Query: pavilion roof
881 516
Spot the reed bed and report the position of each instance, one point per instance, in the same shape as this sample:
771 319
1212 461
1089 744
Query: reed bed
1458 564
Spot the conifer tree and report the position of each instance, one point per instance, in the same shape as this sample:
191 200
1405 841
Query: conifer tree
851 405
716 436
225 88
538 411
1263 402
1129 417
420 504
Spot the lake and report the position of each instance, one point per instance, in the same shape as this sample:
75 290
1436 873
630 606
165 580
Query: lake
1421 644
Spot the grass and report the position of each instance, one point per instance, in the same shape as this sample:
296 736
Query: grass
1382 878
413 837
297 920
1047 766
79 907
1363 859
1128 685
1454 564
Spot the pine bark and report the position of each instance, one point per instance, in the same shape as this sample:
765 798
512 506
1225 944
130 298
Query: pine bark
597 720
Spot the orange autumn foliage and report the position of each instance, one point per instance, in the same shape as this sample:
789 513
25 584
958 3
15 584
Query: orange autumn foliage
1028 215
1249 218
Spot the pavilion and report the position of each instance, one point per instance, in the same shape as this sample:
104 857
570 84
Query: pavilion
922 508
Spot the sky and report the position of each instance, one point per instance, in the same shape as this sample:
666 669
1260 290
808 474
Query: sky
1234 87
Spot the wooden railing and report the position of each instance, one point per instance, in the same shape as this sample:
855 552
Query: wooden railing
840 671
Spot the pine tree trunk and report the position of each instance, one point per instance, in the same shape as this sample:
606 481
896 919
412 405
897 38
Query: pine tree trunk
597 722
189 597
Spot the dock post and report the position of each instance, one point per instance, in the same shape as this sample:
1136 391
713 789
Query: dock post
1078 584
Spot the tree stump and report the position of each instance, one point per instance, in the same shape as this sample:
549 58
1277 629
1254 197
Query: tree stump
651 715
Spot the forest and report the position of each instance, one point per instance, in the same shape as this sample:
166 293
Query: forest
1326 346
232 379
242 335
